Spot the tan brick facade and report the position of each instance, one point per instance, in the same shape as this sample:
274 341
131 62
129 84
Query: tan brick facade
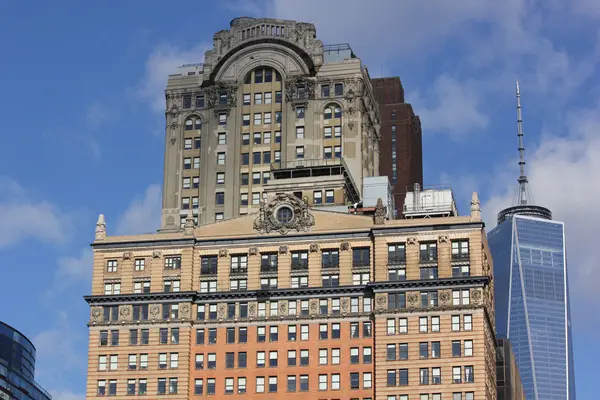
323 330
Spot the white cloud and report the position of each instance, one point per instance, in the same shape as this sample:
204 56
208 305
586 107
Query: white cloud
72 270
57 352
143 213
453 108
160 64
24 216
563 173
97 114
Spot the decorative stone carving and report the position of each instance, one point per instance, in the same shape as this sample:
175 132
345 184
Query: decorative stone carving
189 226
156 254
173 100
222 311
223 253
350 125
314 306
411 240
185 311
291 88
412 299
252 310
283 308
213 93
282 214
96 314
380 301
125 313
380 213
444 297
283 249
476 296
253 251
100 227
154 311
351 111
345 305
350 95
344 246
173 140
314 248
127 255
443 238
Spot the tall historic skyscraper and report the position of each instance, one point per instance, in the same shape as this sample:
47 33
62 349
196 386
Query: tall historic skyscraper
532 295
401 150
270 110
291 300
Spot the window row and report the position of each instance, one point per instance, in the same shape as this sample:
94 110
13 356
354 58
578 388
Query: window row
430 376
261 138
163 386
262 98
460 348
429 324
397 301
259 118
170 262
141 336
435 396
192 143
270 384
138 361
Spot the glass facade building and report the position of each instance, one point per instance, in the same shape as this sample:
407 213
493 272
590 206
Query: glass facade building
17 367
532 301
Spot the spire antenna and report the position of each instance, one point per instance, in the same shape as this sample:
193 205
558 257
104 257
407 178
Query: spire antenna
523 181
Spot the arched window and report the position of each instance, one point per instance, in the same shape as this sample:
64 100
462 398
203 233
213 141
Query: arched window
189 124
198 124
337 112
262 75
193 123
332 111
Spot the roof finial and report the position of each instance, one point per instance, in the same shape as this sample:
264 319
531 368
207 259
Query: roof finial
100 227
475 207
522 200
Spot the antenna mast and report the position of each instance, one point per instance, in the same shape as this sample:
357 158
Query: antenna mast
522 177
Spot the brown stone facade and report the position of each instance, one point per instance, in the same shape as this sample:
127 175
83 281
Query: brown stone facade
340 309
400 134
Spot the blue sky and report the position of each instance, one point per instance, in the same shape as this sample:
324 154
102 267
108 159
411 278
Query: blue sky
82 130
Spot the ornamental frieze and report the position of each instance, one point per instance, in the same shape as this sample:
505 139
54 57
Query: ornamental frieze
125 313
314 306
96 314
380 301
252 309
345 305
185 311
283 308
412 300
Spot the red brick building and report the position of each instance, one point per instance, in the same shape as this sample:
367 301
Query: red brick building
401 153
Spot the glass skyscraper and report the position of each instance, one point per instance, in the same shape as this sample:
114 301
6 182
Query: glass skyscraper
532 299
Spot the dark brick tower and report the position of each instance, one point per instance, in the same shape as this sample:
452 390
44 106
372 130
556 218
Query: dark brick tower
401 154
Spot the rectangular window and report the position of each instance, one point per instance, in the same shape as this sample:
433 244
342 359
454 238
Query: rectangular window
257 119
222 119
268 118
337 151
299 132
278 97
246 119
324 90
258 98
327 152
337 131
467 322
221 158
196 182
300 152
339 89
327 132
256 157
329 197
246 99
255 198
222 138
277 156
268 96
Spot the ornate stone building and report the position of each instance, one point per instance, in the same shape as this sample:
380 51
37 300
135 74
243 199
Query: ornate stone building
293 301
271 110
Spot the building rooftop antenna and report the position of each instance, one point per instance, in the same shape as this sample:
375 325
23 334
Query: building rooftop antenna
523 181
524 205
